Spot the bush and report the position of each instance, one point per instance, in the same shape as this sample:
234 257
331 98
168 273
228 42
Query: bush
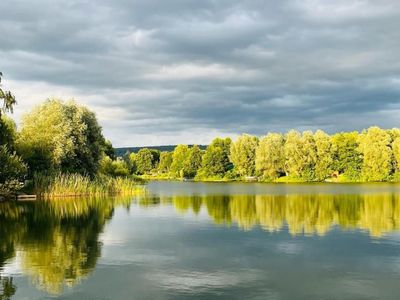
12 172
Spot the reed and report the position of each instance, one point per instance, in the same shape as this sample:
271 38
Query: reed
66 185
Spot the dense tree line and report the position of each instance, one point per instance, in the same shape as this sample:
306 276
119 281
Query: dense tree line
370 156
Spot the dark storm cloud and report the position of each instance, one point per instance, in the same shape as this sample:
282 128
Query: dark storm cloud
175 71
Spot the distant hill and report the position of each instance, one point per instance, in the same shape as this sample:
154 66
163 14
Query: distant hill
123 150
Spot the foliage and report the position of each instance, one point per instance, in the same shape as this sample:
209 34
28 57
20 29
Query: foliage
166 159
7 98
243 153
179 157
61 136
324 151
144 161
216 161
12 172
192 162
114 167
270 158
374 145
8 132
347 159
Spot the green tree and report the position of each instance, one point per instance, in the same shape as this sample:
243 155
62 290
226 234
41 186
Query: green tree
216 161
61 136
270 158
12 172
166 159
374 145
300 155
144 161
109 150
347 159
179 156
155 154
324 162
114 168
293 154
396 153
12 168
192 162
8 132
7 98
243 154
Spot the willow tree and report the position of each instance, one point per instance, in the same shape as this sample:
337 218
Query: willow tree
270 156
61 136
243 154
309 152
324 151
374 145
293 154
347 158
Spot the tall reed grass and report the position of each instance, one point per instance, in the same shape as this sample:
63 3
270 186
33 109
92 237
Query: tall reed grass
66 185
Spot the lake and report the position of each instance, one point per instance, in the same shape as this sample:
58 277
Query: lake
186 240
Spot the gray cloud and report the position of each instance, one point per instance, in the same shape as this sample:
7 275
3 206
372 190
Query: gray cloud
160 72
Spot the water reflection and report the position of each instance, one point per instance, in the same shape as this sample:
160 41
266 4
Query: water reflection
57 241
304 214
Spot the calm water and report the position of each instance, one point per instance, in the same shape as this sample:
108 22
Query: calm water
206 241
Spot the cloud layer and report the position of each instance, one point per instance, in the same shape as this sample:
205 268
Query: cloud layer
183 71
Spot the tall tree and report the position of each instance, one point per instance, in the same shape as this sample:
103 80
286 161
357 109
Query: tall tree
166 159
347 160
243 154
324 161
62 136
270 158
216 159
294 160
144 161
374 144
192 162
179 156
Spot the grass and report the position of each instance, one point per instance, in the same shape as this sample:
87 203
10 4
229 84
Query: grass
67 185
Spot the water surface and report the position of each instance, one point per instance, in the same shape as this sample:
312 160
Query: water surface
206 241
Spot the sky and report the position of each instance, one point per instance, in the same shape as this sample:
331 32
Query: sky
160 72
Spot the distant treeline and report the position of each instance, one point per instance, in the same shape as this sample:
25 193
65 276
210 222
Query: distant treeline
119 152
370 156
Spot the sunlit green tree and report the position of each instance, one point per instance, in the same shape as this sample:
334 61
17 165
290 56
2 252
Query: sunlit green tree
179 156
270 158
144 161
61 136
347 160
166 159
324 161
243 154
216 161
192 162
374 145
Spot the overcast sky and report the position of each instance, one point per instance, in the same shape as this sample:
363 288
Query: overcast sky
184 71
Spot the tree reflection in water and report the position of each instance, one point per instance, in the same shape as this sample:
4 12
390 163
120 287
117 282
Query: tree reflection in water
57 241
304 214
